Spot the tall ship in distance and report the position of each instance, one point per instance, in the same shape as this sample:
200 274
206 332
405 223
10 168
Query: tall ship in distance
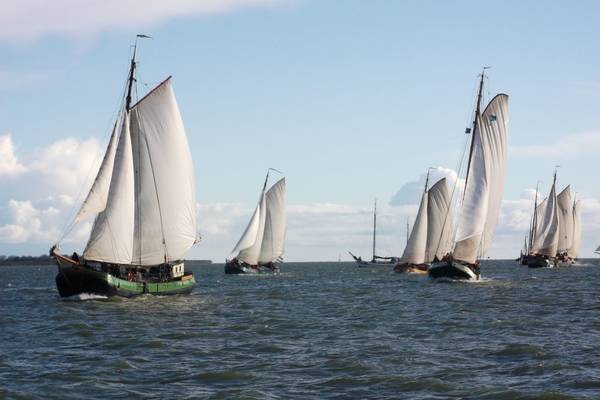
262 244
376 261
482 196
143 200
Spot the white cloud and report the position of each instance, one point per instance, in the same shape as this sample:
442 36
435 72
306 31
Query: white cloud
30 19
68 165
569 146
9 165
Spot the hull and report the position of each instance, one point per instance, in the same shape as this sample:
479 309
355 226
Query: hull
538 261
237 269
73 279
453 270
417 269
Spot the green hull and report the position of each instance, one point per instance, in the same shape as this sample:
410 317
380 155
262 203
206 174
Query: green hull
73 280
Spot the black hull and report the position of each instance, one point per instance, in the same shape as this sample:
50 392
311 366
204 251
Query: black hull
233 269
534 261
453 271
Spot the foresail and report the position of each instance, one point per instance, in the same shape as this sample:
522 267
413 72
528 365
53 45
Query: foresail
248 238
540 211
251 254
273 243
439 221
95 201
111 239
165 203
414 253
565 210
485 182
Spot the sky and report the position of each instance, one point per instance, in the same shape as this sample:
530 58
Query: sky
353 100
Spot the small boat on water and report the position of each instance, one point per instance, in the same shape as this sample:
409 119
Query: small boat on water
143 198
429 239
262 245
376 261
555 230
482 196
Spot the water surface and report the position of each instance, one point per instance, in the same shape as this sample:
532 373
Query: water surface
317 330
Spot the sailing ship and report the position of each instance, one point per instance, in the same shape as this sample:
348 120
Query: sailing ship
429 239
555 233
482 195
597 251
143 198
376 261
262 244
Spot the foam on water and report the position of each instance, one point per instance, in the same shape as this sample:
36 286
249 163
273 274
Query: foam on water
85 297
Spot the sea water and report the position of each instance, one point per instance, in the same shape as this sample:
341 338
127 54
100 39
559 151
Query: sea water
315 331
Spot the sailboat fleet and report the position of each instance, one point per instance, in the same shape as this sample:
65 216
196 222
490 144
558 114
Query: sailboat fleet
554 236
143 201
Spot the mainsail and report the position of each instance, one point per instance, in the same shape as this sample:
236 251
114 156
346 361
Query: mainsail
439 221
547 231
485 182
573 251
273 243
149 216
565 226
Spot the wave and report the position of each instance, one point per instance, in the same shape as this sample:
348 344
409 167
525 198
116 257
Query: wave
85 297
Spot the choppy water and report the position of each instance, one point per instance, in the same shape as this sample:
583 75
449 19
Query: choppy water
323 330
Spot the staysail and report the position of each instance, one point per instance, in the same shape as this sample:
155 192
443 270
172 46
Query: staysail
439 221
485 182
565 226
251 254
546 238
273 242
414 252
111 239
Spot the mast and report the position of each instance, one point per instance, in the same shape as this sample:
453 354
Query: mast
131 77
374 227
477 112
533 230
407 230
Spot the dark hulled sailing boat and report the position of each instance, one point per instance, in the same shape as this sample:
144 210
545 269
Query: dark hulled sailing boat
262 244
483 190
376 261
429 239
144 201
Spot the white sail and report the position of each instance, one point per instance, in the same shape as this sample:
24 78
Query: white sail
546 238
439 221
165 204
95 201
565 211
540 210
248 238
251 254
573 251
485 182
273 243
414 252
111 239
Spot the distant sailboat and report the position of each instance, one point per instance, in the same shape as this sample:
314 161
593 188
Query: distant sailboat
262 244
144 201
376 261
597 251
483 191
545 237
573 251
566 227
429 239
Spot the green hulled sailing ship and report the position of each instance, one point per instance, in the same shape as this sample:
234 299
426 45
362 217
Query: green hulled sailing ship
143 199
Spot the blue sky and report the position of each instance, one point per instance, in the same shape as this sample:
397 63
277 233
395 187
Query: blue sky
351 99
